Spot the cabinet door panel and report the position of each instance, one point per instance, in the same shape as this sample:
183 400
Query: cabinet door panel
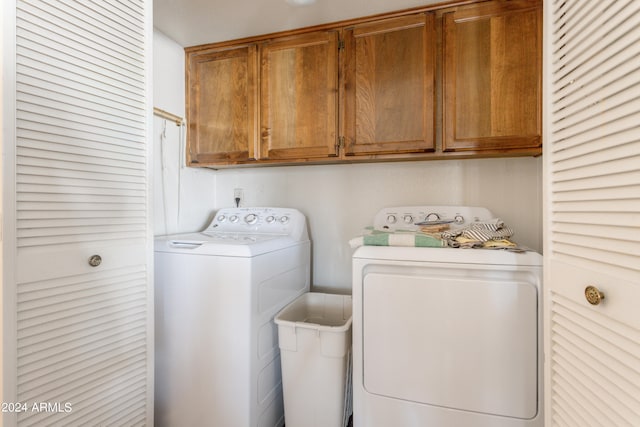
222 105
389 86
492 83
299 81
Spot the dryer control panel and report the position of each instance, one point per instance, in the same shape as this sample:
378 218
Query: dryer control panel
410 218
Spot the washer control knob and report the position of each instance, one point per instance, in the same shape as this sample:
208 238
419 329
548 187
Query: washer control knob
458 219
251 218
284 219
221 218
408 219
233 218
391 219
432 217
270 219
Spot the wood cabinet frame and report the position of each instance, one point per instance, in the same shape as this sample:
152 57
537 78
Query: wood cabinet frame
305 129
370 106
241 137
515 83
439 140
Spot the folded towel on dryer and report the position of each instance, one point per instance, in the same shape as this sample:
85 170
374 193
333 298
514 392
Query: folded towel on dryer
500 244
491 234
373 237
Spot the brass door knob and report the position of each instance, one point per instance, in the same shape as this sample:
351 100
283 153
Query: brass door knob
593 295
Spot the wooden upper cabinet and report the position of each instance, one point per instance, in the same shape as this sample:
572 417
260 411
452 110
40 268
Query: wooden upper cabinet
389 86
222 105
299 97
435 82
492 54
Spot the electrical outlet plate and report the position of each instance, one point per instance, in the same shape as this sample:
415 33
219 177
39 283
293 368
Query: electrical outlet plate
238 197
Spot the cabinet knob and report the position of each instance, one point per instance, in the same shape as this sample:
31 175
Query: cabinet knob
593 295
95 260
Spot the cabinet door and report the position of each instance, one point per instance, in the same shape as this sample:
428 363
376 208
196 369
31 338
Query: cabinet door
299 82
389 86
221 105
492 76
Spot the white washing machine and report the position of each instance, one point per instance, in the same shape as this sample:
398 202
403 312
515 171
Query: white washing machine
445 337
217 291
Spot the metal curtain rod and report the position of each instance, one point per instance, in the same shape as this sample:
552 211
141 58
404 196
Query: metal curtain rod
169 116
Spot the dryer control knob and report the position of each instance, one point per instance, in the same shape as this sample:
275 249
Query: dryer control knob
459 219
284 219
432 217
251 218
233 218
408 219
391 219
270 219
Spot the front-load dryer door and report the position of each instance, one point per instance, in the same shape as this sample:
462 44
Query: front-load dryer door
463 339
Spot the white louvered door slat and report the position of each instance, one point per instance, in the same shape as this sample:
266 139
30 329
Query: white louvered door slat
592 208
81 189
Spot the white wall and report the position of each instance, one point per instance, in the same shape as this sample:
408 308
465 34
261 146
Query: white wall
183 197
340 200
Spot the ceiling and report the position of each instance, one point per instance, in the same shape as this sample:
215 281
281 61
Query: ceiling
195 22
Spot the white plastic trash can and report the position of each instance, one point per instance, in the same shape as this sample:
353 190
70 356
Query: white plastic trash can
314 333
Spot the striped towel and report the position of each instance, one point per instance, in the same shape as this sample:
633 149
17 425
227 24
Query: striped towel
382 238
483 231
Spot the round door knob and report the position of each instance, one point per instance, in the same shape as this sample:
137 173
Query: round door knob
95 260
593 295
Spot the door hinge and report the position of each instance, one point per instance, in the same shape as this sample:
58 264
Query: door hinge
340 44
339 144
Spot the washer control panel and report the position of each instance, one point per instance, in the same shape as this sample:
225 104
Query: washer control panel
411 218
273 221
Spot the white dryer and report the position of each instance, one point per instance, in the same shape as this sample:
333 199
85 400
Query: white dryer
445 337
217 291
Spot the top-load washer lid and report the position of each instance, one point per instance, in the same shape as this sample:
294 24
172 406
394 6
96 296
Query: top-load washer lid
241 232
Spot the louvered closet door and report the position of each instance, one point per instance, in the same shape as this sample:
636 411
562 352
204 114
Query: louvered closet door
83 331
593 213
